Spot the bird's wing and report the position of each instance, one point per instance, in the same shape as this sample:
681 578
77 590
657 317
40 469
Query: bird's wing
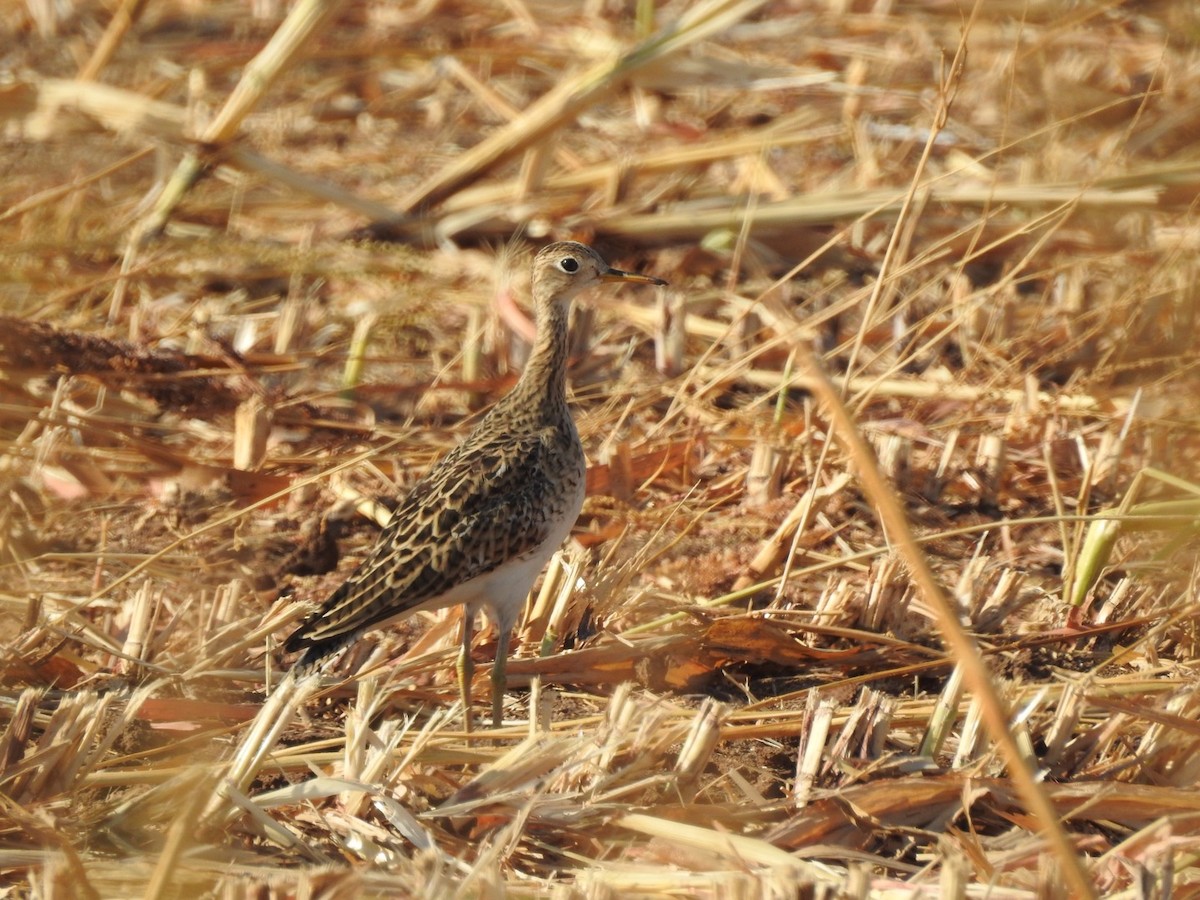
478 507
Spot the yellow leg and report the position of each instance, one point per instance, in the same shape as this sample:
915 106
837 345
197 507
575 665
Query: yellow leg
466 671
499 678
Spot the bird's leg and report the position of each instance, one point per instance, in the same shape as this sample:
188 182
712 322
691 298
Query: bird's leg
466 670
499 676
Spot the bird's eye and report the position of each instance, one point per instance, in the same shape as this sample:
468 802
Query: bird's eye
569 264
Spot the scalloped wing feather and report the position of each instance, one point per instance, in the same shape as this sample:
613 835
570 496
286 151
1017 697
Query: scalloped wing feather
484 504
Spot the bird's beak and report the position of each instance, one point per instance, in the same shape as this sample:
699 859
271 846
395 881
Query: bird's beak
630 277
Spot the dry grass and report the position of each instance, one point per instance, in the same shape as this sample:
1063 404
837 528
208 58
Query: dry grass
257 272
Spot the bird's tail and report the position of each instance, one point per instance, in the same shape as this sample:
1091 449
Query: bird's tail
315 652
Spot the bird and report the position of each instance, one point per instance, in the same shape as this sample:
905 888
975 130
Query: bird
478 527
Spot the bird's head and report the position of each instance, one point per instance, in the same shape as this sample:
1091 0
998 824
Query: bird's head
563 269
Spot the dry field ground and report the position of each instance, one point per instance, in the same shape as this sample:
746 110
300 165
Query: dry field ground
886 582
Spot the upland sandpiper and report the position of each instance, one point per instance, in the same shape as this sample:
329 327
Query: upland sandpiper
479 526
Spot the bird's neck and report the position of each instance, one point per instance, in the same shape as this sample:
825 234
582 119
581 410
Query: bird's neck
543 383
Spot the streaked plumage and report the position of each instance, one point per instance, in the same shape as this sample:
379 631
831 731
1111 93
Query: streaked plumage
483 521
